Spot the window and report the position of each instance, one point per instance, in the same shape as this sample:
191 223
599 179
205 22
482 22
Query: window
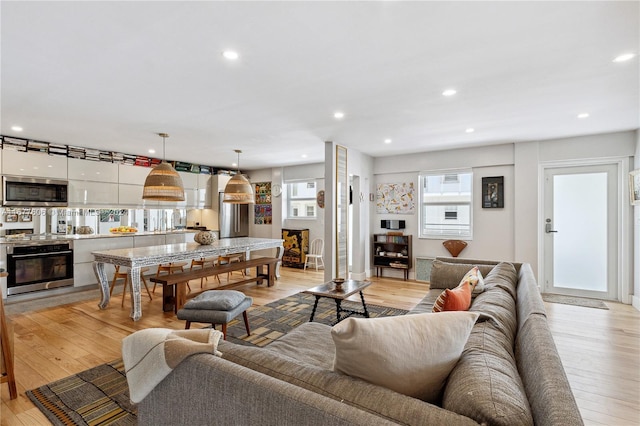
445 204
301 200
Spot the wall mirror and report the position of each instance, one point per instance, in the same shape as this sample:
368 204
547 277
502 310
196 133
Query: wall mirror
342 209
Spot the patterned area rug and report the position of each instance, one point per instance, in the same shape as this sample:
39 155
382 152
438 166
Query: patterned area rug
272 321
576 301
100 396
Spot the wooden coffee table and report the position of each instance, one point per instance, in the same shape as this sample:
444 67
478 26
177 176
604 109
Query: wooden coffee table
349 288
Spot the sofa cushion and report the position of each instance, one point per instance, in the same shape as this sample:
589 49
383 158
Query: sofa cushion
411 354
311 343
497 302
458 299
216 300
448 275
348 390
485 384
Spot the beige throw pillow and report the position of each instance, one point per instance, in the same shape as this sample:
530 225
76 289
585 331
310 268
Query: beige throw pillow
410 354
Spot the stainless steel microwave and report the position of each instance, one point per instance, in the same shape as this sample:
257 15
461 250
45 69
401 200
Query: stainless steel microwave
34 192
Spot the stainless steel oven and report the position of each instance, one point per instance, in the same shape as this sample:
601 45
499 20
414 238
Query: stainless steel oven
38 266
34 192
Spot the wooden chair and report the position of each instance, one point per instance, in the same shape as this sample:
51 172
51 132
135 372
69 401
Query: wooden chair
230 258
202 262
170 268
125 275
316 251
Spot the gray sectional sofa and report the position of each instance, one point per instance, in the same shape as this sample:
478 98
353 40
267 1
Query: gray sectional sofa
509 372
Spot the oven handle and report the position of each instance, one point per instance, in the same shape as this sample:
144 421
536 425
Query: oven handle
53 253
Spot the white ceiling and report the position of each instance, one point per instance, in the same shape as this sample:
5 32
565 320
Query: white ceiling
111 75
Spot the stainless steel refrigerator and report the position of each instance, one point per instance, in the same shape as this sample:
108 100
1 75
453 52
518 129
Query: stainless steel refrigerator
233 219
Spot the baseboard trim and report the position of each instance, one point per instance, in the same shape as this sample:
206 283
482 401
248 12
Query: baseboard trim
635 302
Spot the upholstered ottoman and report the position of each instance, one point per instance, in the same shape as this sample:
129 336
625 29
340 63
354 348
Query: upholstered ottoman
216 307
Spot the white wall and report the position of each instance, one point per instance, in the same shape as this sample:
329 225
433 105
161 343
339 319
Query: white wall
510 233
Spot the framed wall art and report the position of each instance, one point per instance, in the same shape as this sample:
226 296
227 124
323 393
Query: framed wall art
493 192
26 217
11 217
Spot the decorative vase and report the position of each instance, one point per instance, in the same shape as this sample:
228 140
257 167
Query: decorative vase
205 238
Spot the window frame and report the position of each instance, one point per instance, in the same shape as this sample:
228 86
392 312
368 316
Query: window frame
423 231
302 208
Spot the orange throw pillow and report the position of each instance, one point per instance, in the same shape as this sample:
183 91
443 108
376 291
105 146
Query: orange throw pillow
458 299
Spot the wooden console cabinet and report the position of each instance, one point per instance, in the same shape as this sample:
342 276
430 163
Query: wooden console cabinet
392 251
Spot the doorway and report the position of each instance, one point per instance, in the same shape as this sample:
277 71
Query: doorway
580 231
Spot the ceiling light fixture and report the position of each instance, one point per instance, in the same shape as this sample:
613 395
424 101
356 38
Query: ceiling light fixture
163 182
152 151
230 55
624 57
338 114
449 92
304 156
16 128
238 190
470 130
388 141
583 115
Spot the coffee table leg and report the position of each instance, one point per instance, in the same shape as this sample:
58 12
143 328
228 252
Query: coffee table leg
364 305
315 306
338 309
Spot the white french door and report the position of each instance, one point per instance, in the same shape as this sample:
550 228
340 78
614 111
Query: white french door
581 231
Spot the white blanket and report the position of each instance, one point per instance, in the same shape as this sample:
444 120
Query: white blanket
150 355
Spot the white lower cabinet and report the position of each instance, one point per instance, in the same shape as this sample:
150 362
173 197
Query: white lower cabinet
83 259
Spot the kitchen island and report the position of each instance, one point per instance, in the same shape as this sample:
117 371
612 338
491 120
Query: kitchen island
139 257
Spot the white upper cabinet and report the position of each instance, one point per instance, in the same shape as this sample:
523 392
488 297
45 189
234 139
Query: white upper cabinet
96 171
131 196
204 191
133 175
34 164
87 194
189 180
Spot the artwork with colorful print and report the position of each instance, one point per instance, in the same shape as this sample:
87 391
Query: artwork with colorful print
395 198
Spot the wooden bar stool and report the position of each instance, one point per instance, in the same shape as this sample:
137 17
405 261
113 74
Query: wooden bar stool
202 262
170 268
125 275
231 258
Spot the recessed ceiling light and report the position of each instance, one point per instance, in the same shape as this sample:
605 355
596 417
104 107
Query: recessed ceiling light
16 128
152 151
338 115
583 115
388 141
234 164
231 55
449 92
304 155
624 57
470 130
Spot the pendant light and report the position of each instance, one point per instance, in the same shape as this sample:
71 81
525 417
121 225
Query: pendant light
238 189
163 182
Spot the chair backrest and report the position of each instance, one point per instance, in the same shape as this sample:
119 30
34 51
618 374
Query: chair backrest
317 246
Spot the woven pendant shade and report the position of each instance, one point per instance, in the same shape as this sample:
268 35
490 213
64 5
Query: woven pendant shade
239 191
163 182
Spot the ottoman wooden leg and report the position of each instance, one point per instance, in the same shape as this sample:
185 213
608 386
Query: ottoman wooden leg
246 323
187 325
224 330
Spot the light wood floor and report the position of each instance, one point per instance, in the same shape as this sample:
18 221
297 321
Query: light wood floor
600 349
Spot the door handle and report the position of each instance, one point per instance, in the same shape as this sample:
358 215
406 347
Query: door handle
547 228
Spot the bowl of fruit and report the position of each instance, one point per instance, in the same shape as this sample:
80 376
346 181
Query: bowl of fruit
123 230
